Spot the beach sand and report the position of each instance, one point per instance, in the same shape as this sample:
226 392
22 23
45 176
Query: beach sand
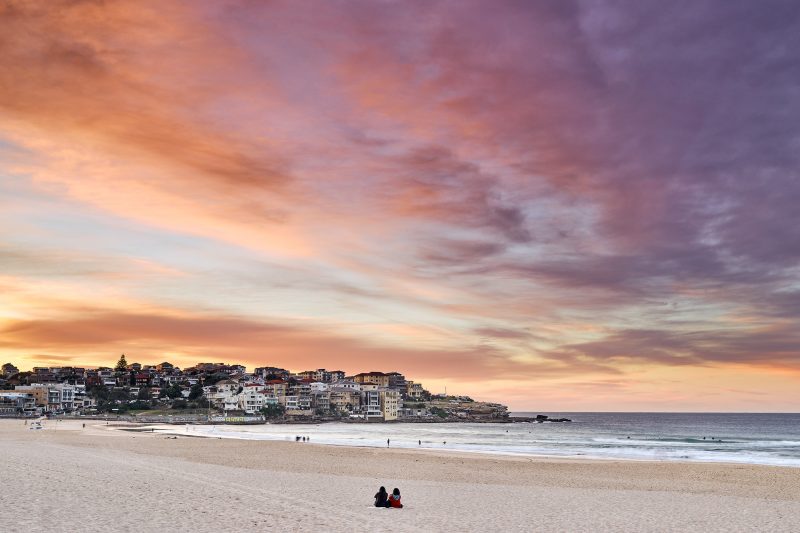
66 478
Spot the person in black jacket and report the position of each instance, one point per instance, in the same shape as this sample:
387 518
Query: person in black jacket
382 498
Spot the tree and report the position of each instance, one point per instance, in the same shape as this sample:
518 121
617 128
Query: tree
174 391
441 413
119 395
196 391
122 364
212 379
143 394
99 392
273 410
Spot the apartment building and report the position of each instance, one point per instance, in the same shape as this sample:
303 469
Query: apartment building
276 387
371 405
390 403
377 378
17 403
51 396
321 400
345 400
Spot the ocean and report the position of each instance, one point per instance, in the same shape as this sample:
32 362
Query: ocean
767 439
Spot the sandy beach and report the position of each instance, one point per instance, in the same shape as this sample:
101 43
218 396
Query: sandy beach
69 478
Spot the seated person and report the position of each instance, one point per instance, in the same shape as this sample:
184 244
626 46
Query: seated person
394 499
381 498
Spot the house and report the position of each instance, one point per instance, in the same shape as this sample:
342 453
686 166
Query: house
377 378
271 372
225 385
276 387
414 390
236 369
17 403
346 385
40 393
317 386
165 367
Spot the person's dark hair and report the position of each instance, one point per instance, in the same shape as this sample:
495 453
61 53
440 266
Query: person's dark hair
396 491
382 490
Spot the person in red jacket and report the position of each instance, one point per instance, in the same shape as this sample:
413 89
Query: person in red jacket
394 499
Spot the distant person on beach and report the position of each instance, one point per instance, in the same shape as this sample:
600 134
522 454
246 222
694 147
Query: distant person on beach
420 443
394 499
382 498
387 443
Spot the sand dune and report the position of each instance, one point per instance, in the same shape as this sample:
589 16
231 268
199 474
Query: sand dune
67 478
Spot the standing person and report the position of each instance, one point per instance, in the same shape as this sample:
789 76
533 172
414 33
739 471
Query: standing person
387 443
394 499
382 498
420 443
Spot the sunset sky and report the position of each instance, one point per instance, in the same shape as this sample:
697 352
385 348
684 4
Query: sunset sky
557 205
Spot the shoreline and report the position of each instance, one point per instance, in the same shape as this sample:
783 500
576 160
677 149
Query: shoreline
172 429
202 484
96 430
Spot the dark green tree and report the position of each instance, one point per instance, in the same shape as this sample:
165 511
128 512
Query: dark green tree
273 411
122 364
196 391
174 391
211 379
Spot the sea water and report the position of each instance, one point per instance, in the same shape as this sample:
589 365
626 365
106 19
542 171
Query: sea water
768 439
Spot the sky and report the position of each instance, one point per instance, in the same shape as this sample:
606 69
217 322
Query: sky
554 204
